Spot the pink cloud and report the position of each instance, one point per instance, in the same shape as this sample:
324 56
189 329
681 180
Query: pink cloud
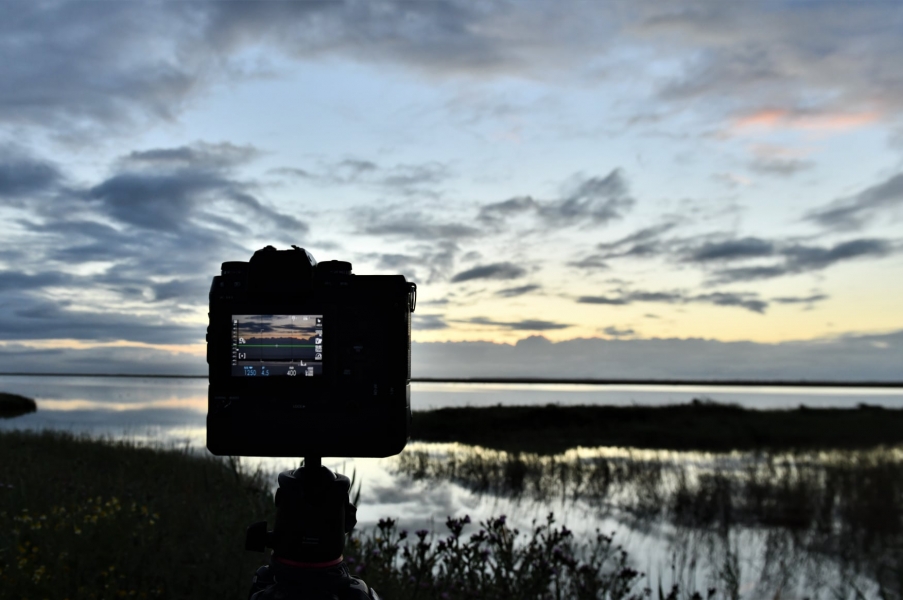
773 118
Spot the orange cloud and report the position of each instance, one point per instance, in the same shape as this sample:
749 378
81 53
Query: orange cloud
774 118
199 349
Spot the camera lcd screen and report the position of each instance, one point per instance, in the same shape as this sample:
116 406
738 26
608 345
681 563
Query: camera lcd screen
277 345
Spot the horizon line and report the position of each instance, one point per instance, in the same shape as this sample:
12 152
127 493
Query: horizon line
541 380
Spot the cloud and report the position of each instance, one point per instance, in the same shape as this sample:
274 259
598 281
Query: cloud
411 224
643 243
593 262
59 73
500 211
424 262
853 212
785 167
16 281
596 200
792 66
523 325
428 322
770 258
748 247
22 176
617 332
23 317
167 188
405 179
825 68
747 300
842 358
128 257
517 291
504 270
799 258
812 299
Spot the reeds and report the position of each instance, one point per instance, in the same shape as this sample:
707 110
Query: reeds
809 511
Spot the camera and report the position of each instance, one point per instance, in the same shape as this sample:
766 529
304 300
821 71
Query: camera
307 359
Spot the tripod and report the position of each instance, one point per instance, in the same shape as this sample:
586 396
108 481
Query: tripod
313 515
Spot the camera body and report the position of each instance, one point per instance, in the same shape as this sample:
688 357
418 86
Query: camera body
306 359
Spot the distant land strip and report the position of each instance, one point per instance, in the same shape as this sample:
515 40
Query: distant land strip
541 380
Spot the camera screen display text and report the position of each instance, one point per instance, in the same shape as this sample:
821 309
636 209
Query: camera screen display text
277 345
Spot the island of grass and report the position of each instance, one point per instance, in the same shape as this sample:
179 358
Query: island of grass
13 405
699 425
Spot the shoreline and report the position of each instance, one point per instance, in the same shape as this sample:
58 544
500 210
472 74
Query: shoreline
542 380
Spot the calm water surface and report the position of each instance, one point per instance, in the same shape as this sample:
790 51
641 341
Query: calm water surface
785 525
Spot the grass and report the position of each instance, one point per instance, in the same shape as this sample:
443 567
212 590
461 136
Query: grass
13 405
699 425
88 519
84 519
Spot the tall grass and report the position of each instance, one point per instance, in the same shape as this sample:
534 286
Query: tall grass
82 518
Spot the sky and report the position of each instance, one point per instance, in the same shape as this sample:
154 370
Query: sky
621 185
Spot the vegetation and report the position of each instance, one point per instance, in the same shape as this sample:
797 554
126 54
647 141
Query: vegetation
699 425
81 518
88 519
13 405
814 513
494 562
84 519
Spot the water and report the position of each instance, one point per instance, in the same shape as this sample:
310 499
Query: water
684 516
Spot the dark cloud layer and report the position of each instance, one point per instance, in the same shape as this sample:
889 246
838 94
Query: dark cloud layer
159 225
504 270
727 259
424 322
799 258
732 249
517 291
72 66
522 325
22 176
748 301
812 299
853 212
847 358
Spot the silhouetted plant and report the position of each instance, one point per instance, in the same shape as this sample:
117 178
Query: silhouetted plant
494 562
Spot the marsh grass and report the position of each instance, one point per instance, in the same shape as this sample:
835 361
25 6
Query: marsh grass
810 511
82 518
699 425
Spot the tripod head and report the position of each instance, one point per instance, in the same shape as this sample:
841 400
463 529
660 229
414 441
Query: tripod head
313 514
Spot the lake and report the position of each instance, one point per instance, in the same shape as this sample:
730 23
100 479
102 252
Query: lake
765 524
